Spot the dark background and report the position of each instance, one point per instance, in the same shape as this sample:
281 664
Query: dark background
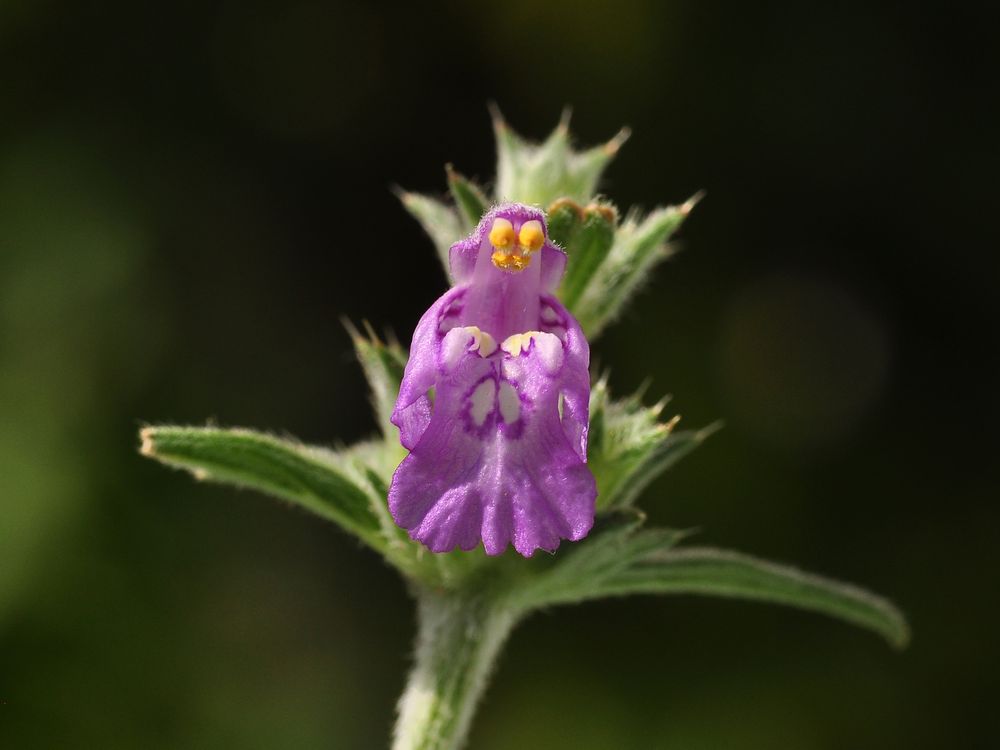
191 195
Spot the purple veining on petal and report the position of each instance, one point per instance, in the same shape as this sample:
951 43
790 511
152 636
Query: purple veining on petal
413 408
495 458
478 412
576 391
450 314
514 409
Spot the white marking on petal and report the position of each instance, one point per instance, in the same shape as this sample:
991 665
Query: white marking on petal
550 351
510 403
482 399
454 346
549 315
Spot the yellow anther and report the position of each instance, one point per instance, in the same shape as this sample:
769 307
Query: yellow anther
502 235
509 261
531 236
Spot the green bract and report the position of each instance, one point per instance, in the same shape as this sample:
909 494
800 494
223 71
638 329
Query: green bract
468 603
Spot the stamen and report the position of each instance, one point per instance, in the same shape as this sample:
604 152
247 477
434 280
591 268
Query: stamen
502 235
510 262
531 236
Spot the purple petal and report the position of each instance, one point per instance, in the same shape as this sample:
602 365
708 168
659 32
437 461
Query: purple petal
500 455
495 460
413 408
576 386
553 268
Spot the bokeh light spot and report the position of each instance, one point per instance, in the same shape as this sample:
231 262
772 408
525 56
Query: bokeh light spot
802 361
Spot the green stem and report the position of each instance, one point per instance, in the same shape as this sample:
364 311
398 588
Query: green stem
459 637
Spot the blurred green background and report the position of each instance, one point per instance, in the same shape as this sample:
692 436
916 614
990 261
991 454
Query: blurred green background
192 194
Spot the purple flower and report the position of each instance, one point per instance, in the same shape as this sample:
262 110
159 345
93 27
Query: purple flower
494 401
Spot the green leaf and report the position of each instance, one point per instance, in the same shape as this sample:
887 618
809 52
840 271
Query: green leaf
629 446
565 217
588 166
620 559
318 480
383 365
472 203
576 571
704 570
439 220
512 153
649 465
540 173
638 246
586 250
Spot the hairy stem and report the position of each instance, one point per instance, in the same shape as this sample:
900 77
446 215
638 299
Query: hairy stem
458 640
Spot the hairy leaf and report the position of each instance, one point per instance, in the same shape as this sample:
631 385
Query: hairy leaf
540 173
319 481
629 446
438 219
639 245
704 570
615 543
470 200
383 365
587 248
